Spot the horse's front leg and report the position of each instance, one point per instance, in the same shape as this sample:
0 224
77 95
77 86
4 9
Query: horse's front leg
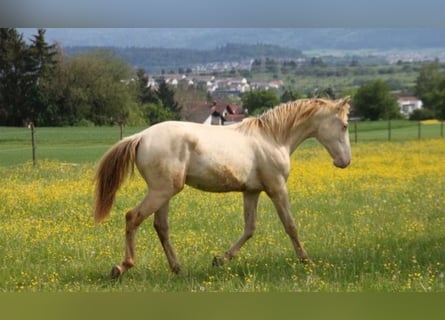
250 214
280 200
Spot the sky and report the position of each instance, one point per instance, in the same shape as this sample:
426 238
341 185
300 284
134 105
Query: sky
227 13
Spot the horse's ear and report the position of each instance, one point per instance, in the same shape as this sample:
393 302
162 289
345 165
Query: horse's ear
343 102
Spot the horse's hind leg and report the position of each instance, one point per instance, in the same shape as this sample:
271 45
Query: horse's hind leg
152 202
161 226
250 214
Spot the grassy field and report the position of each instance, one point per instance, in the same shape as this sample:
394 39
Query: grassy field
375 226
68 144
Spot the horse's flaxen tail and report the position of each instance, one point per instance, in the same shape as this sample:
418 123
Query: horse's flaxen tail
111 172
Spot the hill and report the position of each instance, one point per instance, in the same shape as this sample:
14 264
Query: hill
157 59
211 38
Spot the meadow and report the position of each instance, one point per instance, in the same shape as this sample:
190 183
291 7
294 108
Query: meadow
377 226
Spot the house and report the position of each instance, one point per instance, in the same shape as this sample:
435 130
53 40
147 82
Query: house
274 84
151 83
408 104
231 113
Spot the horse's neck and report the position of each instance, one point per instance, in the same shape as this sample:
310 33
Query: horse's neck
297 135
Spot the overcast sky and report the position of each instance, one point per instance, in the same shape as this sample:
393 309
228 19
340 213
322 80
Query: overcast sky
222 13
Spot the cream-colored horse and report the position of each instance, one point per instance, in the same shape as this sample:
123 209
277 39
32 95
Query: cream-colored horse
250 157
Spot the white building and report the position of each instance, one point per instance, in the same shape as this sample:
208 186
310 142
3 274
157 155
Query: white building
408 104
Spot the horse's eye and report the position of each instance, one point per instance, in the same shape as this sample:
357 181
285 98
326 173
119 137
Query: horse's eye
345 127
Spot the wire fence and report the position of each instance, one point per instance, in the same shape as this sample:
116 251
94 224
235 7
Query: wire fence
87 144
395 130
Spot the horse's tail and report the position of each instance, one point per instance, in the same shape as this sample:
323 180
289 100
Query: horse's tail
111 172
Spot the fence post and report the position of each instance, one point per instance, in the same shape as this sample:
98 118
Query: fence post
389 129
33 142
419 130
121 124
355 131
441 129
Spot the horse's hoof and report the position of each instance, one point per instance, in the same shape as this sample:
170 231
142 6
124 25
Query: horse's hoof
307 261
115 272
176 269
218 262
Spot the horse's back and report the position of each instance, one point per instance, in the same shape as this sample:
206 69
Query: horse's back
211 158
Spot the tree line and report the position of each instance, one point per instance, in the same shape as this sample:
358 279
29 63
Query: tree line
40 84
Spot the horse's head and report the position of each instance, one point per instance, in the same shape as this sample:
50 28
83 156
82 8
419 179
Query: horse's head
333 133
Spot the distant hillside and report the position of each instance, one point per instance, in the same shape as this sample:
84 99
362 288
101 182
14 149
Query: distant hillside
211 38
156 59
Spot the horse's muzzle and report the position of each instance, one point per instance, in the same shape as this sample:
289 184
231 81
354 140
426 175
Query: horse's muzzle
342 163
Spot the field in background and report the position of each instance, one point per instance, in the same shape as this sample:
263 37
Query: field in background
375 226
68 144
87 144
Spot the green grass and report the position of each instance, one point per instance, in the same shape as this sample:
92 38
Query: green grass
375 226
68 144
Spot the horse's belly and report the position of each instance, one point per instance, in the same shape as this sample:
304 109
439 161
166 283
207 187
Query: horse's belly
220 179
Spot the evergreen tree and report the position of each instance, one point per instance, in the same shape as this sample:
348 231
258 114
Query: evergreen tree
167 96
17 79
44 58
146 94
44 55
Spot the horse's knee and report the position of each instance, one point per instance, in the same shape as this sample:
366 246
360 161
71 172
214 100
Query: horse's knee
129 216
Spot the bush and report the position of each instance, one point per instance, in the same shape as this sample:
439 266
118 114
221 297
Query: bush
84 123
421 114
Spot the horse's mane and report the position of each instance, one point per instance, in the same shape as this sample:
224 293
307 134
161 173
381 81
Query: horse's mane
281 119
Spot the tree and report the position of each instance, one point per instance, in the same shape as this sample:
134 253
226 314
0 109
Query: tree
44 55
290 95
145 94
430 88
17 78
374 101
156 112
430 75
167 96
436 100
96 87
157 104
258 101
45 59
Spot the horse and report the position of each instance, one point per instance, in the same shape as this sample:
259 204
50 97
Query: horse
172 154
